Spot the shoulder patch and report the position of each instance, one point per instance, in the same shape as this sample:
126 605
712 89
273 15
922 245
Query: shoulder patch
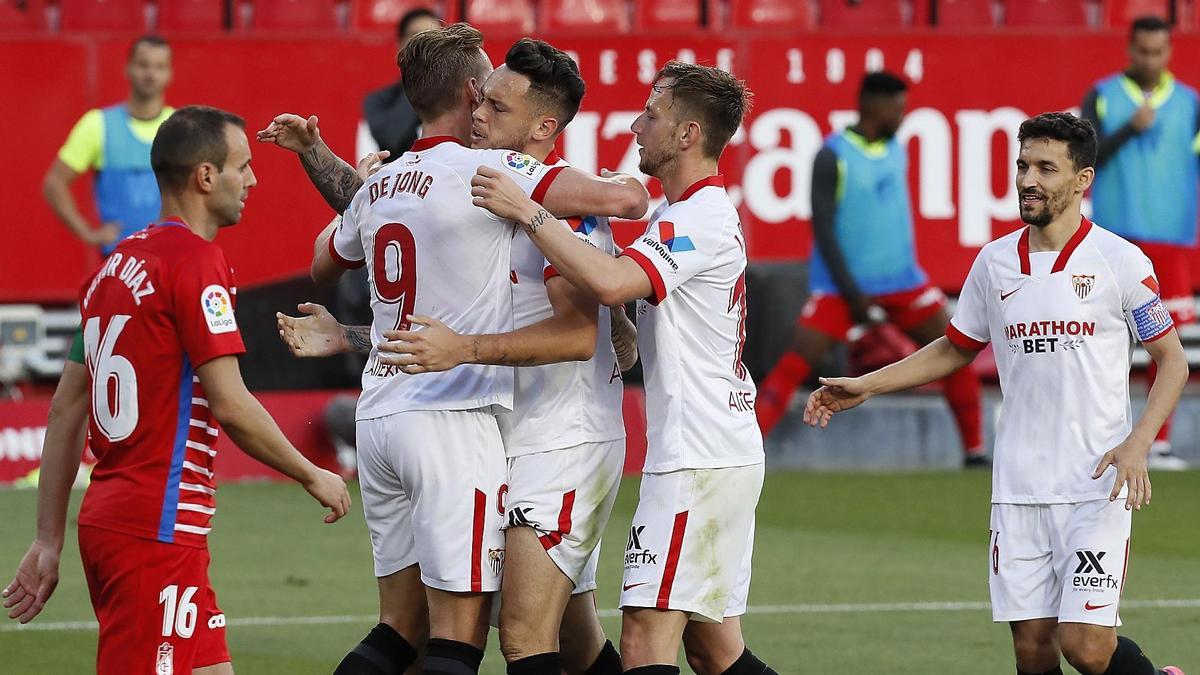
520 163
218 309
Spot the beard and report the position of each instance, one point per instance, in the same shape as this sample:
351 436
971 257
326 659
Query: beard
1043 214
654 160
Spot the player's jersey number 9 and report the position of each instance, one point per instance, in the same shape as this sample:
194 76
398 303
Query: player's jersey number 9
114 381
395 270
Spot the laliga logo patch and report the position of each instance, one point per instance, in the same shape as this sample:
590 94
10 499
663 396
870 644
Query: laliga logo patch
218 311
520 163
1083 284
164 663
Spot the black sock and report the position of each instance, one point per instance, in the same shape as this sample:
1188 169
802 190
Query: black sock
749 664
654 670
549 663
1057 671
1128 659
382 652
608 663
447 657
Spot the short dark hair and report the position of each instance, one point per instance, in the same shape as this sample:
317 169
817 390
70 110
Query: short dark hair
1148 24
716 98
148 39
435 63
1076 132
411 16
191 136
881 83
554 79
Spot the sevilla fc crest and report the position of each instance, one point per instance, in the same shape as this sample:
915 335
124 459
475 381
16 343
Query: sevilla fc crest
1083 284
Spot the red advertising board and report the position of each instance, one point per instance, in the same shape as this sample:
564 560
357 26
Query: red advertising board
969 94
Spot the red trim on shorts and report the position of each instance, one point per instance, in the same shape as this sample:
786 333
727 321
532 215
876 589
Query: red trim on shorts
1124 576
962 340
1023 251
656 280
672 563
343 262
552 539
716 181
1060 263
543 186
430 141
477 543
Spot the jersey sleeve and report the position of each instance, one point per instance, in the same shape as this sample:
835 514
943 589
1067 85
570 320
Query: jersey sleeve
82 150
345 246
968 327
1145 313
586 229
76 352
533 176
204 299
676 248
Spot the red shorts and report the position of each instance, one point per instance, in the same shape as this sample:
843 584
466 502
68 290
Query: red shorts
1173 268
829 313
157 610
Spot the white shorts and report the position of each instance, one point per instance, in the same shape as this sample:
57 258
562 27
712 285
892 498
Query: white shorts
566 496
1064 561
692 538
430 483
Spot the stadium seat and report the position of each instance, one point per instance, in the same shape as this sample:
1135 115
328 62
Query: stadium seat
862 14
102 15
667 14
771 14
382 15
1121 13
1045 13
502 16
609 16
292 15
22 16
191 15
965 14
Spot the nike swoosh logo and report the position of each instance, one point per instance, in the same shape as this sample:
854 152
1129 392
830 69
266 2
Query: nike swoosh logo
1089 606
625 588
1004 296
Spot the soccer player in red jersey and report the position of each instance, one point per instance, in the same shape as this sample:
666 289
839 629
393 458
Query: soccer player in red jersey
160 345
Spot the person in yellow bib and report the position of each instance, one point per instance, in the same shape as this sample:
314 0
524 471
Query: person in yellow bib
114 142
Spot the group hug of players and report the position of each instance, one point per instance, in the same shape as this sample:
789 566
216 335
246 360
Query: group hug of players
489 430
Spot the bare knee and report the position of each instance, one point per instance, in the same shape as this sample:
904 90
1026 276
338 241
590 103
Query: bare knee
1035 645
712 648
1088 648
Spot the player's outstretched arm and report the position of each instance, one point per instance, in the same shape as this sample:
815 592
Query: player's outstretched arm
1130 456
612 281
333 177
932 362
37 573
317 333
623 334
575 193
568 335
251 427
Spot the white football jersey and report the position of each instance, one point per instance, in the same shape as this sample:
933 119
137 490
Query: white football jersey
560 405
432 253
1059 323
699 396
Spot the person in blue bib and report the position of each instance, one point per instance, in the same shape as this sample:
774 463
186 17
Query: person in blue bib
114 142
1147 172
864 271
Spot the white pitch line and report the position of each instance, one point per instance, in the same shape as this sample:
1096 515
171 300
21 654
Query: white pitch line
847 608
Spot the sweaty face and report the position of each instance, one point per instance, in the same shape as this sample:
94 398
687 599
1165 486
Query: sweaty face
1149 53
1046 180
234 180
149 70
504 119
655 131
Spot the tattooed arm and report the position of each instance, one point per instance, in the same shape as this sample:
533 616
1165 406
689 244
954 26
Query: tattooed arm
318 333
335 179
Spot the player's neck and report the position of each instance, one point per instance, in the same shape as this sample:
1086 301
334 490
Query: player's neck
145 109
539 151
194 216
685 174
451 124
867 129
1054 237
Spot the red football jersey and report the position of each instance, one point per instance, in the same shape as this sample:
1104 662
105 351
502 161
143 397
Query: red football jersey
159 307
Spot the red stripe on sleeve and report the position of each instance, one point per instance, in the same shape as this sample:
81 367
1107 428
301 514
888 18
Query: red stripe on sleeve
1152 284
477 543
549 273
344 262
672 563
539 192
656 280
962 340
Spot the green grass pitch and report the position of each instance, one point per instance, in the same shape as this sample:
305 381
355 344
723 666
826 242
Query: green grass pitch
299 594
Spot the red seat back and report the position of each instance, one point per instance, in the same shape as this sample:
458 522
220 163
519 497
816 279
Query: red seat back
863 14
610 16
382 15
667 14
291 15
102 15
190 15
965 14
22 16
793 14
502 16
1121 13
1046 13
